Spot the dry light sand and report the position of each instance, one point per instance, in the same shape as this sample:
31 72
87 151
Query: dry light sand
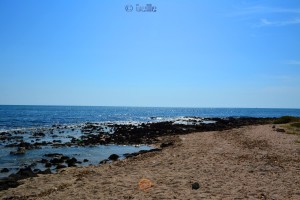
253 162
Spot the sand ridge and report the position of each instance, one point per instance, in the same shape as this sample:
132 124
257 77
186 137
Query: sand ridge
252 162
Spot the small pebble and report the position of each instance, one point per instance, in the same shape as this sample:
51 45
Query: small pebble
195 186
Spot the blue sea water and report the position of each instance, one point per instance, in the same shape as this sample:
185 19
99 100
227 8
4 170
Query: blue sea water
12 117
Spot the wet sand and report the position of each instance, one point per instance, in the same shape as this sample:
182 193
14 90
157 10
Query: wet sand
253 162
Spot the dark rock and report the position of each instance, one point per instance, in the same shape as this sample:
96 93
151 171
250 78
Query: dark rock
26 172
72 165
44 161
39 134
65 157
17 137
52 155
60 166
3 133
4 170
166 144
26 145
20 151
48 165
85 160
33 164
71 162
195 186
154 150
56 145
104 161
129 155
113 157
46 171
280 130
4 137
143 151
6 183
56 161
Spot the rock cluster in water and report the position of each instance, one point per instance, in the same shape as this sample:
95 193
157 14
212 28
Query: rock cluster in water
147 133
124 134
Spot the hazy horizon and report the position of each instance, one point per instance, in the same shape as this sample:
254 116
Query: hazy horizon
148 106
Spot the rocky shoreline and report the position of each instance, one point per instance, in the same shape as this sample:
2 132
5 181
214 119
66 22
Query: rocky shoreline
99 134
250 162
125 134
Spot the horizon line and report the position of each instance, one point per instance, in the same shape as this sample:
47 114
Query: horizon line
213 107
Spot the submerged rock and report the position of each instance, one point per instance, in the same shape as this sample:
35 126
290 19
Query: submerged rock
4 170
53 155
20 151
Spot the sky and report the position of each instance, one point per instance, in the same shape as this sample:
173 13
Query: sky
204 53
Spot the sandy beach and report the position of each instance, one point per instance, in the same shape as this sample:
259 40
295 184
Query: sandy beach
253 162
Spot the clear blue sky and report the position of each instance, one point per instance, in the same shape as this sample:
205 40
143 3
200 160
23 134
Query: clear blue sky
188 54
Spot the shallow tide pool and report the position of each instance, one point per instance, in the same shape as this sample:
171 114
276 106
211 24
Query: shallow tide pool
94 154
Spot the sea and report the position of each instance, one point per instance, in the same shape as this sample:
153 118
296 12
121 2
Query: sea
30 119
13 117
